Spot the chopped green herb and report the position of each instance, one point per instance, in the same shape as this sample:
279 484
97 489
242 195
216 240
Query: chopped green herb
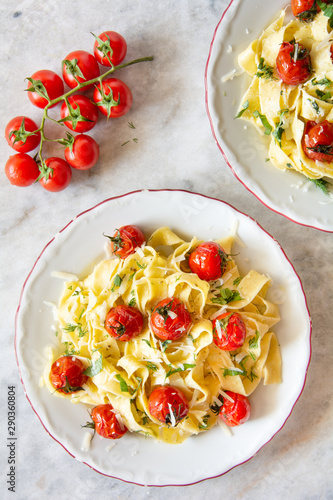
323 96
165 345
327 10
172 370
132 302
147 342
237 280
225 296
253 342
324 81
204 423
245 105
323 185
123 385
116 282
289 165
70 328
278 131
95 367
229 372
314 104
130 124
151 366
264 70
264 121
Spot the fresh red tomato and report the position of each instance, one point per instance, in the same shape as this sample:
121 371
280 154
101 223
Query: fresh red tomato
331 50
57 174
83 114
83 153
106 423
168 405
21 170
79 66
235 412
113 98
67 374
170 319
110 48
17 134
293 63
229 331
124 322
45 81
125 240
208 261
317 141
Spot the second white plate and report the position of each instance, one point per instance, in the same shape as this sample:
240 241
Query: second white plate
287 193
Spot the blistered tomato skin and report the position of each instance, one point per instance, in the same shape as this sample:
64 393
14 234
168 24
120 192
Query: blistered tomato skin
317 141
67 375
235 412
170 319
118 46
12 132
168 405
21 170
293 63
83 63
106 422
125 240
208 261
124 322
231 333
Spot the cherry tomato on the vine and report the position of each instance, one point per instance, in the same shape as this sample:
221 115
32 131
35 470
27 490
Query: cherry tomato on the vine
170 319
110 47
67 374
106 423
125 240
208 261
293 63
168 405
124 322
45 80
17 137
317 141
113 97
82 113
57 174
235 412
21 170
229 331
79 66
83 153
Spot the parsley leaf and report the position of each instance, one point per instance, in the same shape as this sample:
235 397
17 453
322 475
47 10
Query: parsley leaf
253 342
123 385
328 11
95 367
265 70
172 370
229 372
278 131
225 296
116 282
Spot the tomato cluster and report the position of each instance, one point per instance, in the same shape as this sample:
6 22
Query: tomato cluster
46 89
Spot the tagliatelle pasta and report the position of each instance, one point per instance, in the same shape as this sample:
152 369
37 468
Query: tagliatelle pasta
125 373
280 111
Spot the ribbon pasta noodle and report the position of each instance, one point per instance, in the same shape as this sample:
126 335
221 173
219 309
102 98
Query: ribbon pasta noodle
128 371
280 111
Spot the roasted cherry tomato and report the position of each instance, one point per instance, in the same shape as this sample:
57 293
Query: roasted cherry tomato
317 141
208 261
82 115
110 48
21 170
57 174
106 423
293 63
113 98
124 322
125 240
229 331
67 374
83 152
17 134
45 80
79 66
170 319
235 412
305 9
168 405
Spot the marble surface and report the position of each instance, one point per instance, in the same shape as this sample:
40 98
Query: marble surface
174 149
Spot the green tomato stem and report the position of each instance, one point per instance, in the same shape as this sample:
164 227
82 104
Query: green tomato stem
80 86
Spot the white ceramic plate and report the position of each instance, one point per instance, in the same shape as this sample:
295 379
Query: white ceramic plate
80 244
287 193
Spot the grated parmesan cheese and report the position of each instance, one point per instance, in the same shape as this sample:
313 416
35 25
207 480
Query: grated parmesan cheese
64 276
172 417
86 441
